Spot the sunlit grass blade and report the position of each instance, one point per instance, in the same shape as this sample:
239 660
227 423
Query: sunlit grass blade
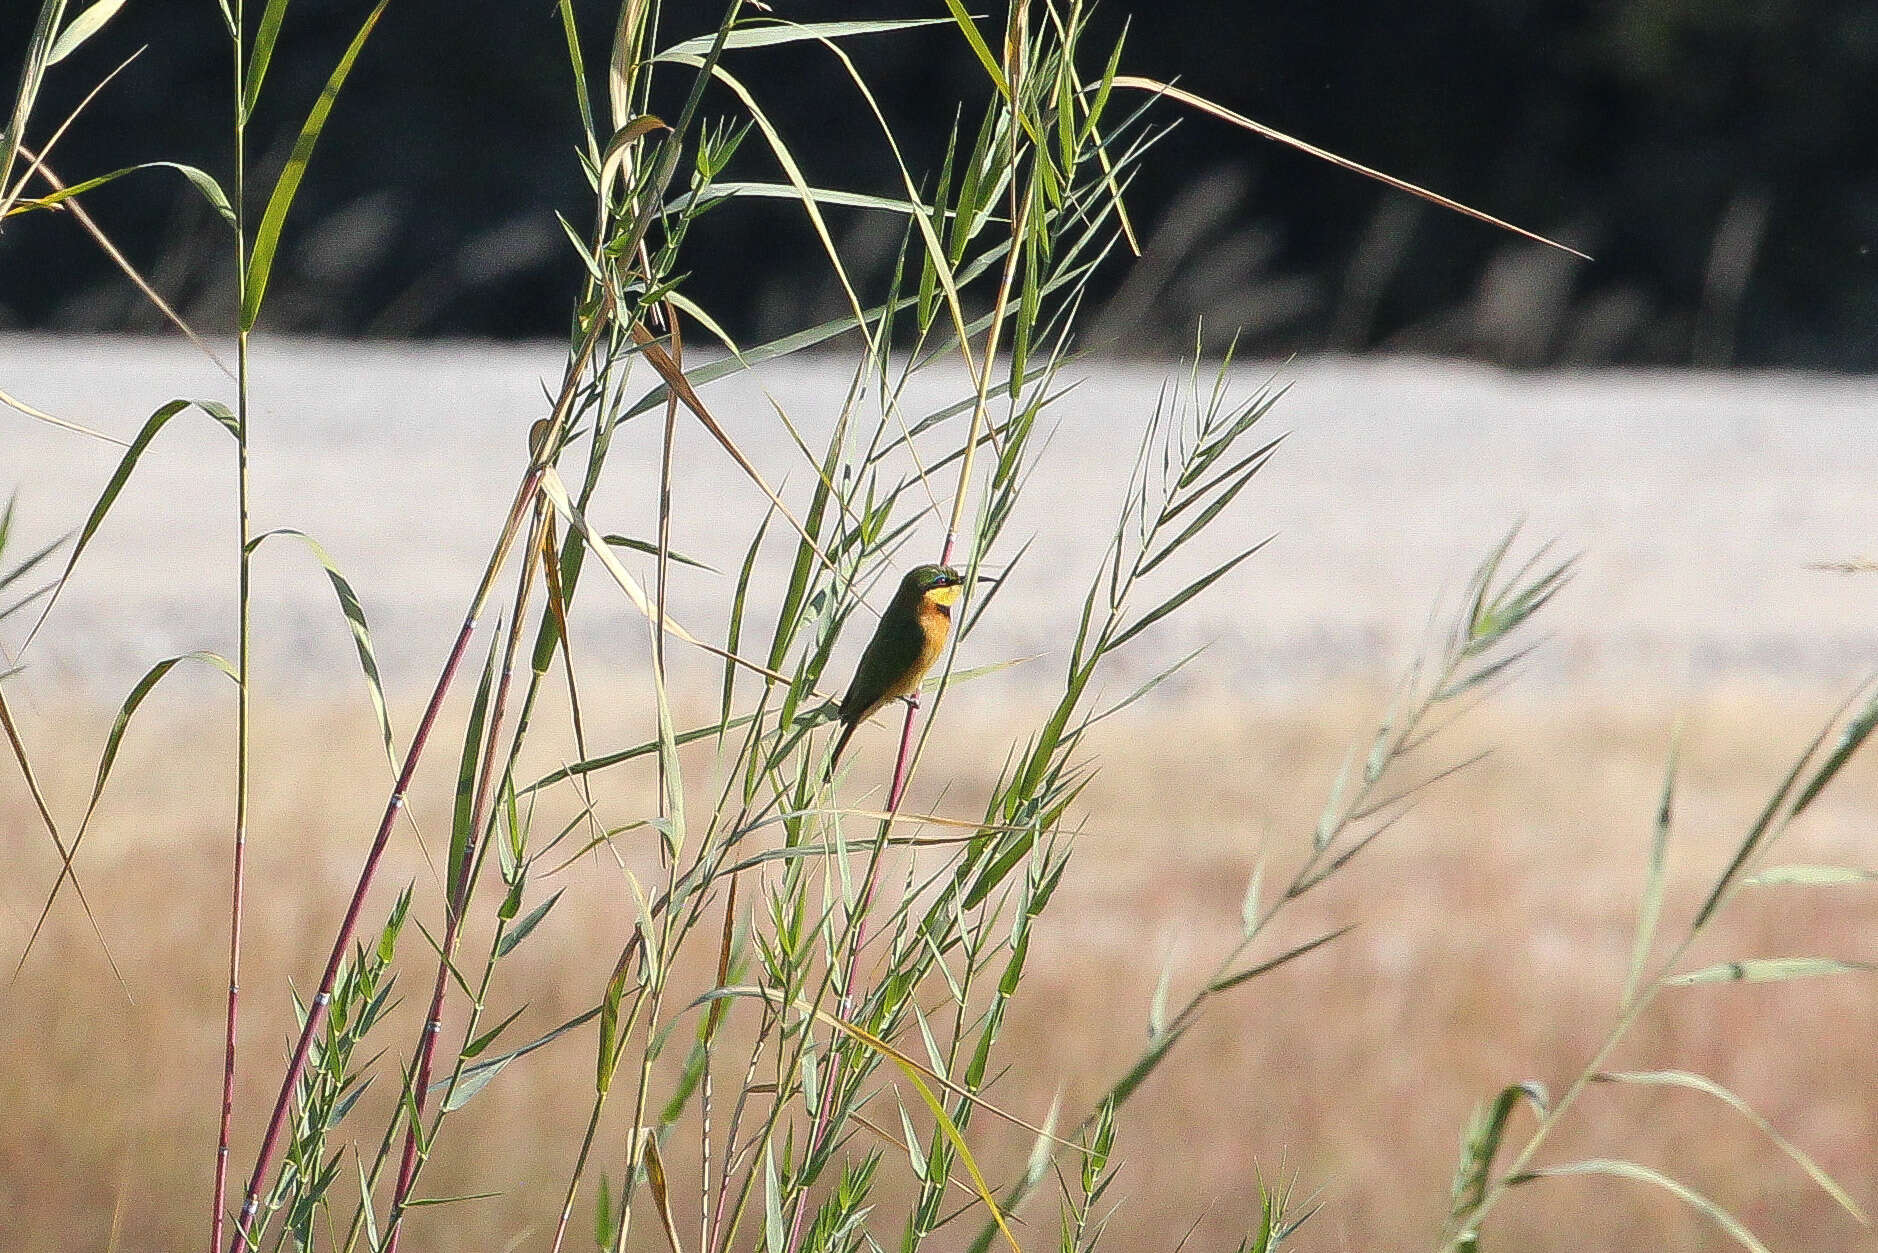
131 272
556 492
154 424
13 402
200 179
1644 1174
355 622
81 28
1702 1083
1259 128
1767 970
32 74
771 34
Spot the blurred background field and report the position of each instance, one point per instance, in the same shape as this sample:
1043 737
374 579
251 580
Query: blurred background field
1492 925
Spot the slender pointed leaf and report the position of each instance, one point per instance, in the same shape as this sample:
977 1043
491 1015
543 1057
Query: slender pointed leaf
274 218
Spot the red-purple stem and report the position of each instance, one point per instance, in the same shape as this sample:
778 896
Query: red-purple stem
824 1114
456 904
228 1052
322 1000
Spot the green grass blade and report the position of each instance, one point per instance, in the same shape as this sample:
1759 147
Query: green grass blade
81 28
1184 595
588 766
513 938
733 636
200 179
126 464
461 835
1651 910
355 622
540 1042
274 218
265 37
32 73
1759 832
1481 1145
1702 1083
1855 734
1766 970
1289 955
754 190
651 549
1643 1174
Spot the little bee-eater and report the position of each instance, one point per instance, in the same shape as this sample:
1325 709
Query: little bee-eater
910 637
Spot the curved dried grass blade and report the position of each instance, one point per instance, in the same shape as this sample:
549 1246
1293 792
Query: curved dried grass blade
1702 1083
556 492
1259 128
1621 1169
1481 1145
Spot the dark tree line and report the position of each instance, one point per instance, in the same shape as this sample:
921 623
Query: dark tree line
1715 156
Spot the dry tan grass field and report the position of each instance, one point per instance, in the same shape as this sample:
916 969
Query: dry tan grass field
1493 929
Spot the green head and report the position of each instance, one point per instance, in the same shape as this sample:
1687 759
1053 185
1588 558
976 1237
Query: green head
938 585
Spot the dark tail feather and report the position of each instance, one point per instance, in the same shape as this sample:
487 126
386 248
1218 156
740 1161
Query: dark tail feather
834 758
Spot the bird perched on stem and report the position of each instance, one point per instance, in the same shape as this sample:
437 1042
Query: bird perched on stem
910 637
